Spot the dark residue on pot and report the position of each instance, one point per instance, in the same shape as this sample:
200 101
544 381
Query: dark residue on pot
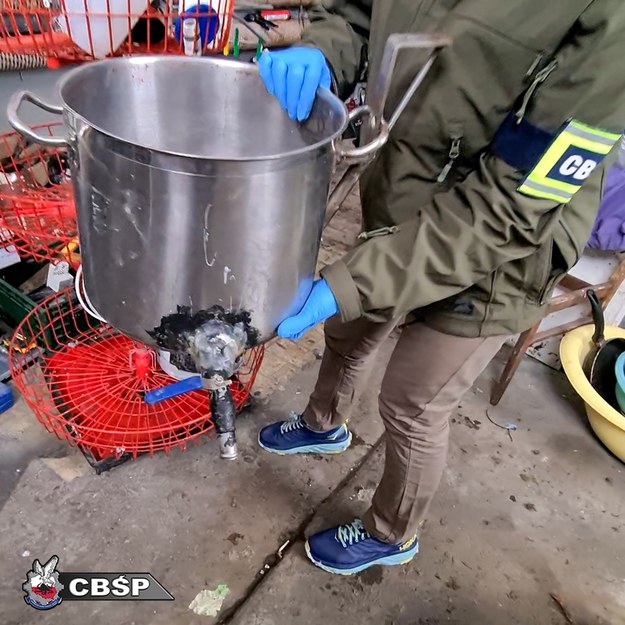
210 342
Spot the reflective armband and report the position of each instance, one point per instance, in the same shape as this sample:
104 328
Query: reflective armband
572 156
555 166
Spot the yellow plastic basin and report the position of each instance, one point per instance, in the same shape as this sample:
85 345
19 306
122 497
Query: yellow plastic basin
608 423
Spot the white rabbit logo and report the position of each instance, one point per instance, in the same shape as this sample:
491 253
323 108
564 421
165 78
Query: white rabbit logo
42 585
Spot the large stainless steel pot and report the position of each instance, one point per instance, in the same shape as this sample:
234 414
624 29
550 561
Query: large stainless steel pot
194 188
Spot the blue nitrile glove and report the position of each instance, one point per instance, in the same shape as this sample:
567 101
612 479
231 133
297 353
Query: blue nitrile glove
320 305
293 76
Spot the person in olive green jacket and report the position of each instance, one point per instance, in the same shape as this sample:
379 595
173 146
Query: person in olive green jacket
482 199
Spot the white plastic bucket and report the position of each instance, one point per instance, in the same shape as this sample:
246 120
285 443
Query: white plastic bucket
101 27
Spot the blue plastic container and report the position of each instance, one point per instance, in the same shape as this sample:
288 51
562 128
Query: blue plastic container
208 23
6 397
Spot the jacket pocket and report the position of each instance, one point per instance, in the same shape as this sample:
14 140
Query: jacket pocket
545 270
554 277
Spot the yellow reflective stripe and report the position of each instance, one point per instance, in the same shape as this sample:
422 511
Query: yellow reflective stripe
547 163
590 136
547 188
543 195
558 185
612 136
544 182
586 144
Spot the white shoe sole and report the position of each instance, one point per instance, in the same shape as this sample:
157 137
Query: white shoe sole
394 560
324 448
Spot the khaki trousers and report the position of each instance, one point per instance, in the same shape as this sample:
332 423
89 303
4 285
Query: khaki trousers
427 375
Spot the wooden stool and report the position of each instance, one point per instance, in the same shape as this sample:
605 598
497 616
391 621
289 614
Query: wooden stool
576 294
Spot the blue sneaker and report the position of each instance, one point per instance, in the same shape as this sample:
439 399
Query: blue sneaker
293 436
349 549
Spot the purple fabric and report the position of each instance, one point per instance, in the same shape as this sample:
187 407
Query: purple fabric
608 233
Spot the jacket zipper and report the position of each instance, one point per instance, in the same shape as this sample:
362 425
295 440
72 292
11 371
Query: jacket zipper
539 78
454 153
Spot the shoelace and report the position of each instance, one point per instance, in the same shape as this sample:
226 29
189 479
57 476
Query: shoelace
294 422
351 533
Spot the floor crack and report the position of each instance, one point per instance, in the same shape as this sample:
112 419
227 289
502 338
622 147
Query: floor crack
272 561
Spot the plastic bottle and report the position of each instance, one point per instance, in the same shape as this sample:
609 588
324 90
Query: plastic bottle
190 38
206 27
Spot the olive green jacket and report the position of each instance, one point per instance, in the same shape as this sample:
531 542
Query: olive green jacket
471 254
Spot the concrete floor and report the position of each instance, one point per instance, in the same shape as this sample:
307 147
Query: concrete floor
515 520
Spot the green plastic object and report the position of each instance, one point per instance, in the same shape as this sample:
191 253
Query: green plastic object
236 49
46 325
14 305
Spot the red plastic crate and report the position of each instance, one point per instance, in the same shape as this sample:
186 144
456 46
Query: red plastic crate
76 30
85 382
37 212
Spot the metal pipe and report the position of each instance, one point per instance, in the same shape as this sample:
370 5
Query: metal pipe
223 412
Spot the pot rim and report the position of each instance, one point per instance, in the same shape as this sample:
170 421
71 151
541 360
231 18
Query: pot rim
322 93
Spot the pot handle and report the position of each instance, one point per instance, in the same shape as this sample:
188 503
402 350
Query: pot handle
375 133
369 149
13 107
378 89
